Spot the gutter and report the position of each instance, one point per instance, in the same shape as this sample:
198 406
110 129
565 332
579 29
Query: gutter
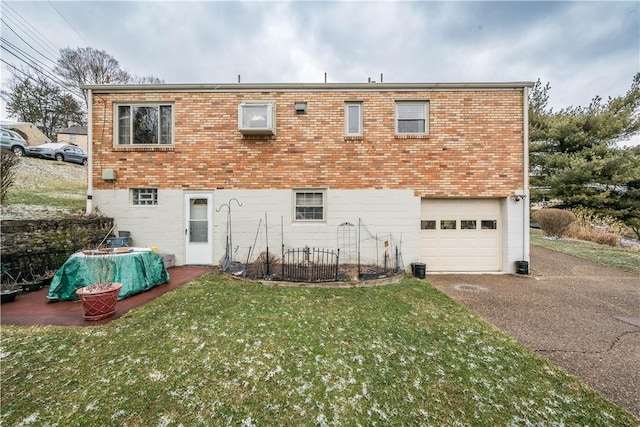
525 178
297 87
89 208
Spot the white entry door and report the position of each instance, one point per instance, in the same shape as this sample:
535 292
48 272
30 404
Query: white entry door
199 229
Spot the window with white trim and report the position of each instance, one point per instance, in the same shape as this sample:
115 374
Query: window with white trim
468 224
489 224
257 118
428 224
353 119
144 124
144 196
412 118
309 205
447 224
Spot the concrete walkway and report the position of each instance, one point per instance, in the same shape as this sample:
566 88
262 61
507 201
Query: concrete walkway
580 315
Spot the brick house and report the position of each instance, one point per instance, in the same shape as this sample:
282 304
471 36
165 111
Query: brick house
437 170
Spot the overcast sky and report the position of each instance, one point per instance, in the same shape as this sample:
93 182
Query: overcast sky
582 48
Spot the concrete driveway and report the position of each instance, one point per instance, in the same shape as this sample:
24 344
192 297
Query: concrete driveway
580 315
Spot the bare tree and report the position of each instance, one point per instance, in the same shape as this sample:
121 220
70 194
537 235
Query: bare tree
8 168
146 80
86 65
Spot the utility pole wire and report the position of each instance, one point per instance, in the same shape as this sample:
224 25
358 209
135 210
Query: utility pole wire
46 75
68 23
25 42
40 39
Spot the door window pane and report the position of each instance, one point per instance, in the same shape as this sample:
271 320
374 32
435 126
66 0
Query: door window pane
198 223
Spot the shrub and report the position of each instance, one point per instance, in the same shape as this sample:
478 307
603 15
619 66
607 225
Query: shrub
600 237
8 161
554 222
259 266
587 219
593 227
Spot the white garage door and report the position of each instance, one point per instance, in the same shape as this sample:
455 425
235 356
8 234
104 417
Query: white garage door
461 235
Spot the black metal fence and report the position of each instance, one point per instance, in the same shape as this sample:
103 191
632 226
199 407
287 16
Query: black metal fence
310 265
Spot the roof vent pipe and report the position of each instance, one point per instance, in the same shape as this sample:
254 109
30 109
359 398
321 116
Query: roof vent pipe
381 78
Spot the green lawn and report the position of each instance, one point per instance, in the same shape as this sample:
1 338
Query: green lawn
219 351
624 258
49 183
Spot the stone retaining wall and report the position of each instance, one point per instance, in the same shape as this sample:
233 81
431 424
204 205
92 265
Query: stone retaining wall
30 247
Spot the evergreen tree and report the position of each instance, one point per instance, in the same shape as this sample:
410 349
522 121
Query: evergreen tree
575 159
35 99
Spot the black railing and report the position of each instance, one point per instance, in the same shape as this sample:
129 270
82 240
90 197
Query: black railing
310 265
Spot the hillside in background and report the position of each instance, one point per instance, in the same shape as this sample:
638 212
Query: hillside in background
46 189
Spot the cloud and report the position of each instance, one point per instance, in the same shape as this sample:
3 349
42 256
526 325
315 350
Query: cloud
582 48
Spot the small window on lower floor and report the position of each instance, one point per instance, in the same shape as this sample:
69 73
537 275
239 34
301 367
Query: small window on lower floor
489 224
309 205
468 224
144 196
429 224
448 224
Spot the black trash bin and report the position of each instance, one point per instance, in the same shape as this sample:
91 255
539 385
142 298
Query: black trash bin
419 270
522 267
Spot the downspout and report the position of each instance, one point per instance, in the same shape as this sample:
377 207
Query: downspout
90 151
525 176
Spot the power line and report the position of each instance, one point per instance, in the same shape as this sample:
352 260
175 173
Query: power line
68 23
34 63
42 41
25 42
43 73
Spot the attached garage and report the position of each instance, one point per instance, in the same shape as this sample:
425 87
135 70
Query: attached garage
461 235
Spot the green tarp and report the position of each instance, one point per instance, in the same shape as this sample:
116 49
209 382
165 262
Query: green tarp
138 271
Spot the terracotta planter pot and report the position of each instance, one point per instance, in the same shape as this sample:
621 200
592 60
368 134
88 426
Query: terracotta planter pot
99 304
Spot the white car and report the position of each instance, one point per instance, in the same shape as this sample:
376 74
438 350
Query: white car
13 142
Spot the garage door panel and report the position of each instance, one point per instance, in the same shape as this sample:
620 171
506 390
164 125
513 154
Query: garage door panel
462 249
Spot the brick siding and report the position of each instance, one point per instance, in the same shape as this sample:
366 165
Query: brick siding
474 147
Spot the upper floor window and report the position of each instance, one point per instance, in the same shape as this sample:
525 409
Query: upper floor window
412 118
144 124
257 118
353 119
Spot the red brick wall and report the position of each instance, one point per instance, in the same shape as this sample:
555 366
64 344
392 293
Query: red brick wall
474 147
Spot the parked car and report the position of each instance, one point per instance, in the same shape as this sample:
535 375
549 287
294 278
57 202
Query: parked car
59 151
13 141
